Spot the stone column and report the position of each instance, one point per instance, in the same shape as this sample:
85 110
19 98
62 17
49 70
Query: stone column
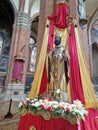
20 44
46 9
19 53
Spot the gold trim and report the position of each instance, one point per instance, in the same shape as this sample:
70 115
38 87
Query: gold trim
32 127
23 111
47 115
36 113
73 119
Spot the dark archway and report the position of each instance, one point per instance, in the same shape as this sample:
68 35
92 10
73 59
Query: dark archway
7 16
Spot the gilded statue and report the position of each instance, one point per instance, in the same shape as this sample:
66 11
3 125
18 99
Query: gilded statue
58 70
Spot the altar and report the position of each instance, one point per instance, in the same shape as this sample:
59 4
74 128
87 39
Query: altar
44 114
30 122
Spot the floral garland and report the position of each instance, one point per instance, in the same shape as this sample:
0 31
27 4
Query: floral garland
53 109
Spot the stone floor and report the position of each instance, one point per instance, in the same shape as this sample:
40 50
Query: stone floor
9 123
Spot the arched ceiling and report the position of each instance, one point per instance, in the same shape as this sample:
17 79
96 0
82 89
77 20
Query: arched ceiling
34 26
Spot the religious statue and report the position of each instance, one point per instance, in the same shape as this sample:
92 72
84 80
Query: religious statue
82 12
58 70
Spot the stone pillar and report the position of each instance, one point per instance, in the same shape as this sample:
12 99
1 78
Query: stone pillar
46 9
19 53
20 45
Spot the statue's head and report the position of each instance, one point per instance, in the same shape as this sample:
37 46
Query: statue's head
57 40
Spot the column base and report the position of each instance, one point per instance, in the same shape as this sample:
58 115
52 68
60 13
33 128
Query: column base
15 92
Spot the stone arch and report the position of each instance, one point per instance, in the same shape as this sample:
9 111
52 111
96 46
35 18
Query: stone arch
91 22
14 6
34 16
91 43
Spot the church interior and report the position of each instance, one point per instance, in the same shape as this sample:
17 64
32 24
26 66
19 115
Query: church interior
48 64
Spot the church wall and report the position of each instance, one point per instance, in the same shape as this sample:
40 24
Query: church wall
24 12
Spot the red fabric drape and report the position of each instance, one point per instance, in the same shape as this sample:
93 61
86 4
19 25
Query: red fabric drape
75 79
18 69
91 120
44 81
60 15
51 35
41 124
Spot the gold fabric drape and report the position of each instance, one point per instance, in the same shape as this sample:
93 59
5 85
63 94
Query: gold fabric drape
89 95
39 69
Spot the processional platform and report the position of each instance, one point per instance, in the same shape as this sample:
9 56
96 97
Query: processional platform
45 114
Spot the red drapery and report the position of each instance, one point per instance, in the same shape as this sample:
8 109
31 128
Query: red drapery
44 81
60 15
91 120
41 124
18 69
75 79
90 123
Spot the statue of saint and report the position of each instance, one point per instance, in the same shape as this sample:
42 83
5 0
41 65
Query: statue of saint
58 70
82 12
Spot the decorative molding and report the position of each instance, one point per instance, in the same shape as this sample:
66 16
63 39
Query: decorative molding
23 20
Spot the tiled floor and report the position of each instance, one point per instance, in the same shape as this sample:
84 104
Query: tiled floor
9 123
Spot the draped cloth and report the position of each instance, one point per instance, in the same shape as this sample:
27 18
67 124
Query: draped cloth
88 91
79 76
18 69
40 124
75 79
60 15
44 80
36 84
80 85
91 120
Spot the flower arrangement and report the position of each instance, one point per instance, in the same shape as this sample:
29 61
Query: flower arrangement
53 109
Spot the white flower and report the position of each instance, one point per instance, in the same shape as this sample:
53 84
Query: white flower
20 104
37 104
28 99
